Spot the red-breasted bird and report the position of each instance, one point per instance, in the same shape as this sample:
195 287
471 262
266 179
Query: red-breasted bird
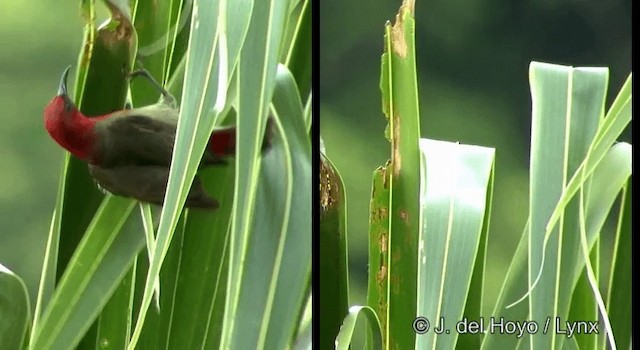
129 151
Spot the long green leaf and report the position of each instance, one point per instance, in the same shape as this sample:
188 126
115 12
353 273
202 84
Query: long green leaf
156 331
619 283
400 105
298 58
49 265
206 81
278 264
379 248
455 185
567 105
291 280
607 180
256 80
559 145
102 259
333 260
613 124
202 274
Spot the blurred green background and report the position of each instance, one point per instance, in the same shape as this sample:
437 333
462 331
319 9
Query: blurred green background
38 39
472 61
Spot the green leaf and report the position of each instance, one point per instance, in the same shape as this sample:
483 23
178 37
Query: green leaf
206 81
277 267
400 104
333 259
303 339
377 296
619 282
298 55
456 185
610 128
158 321
568 105
197 306
102 259
49 265
14 310
256 80
157 25
343 341
114 322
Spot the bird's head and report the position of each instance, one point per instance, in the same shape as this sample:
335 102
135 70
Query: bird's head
66 125
60 108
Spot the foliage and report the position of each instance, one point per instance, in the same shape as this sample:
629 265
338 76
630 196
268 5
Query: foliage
97 285
578 175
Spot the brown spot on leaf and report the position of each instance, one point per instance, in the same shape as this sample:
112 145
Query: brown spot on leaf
381 275
398 41
409 5
404 216
385 175
382 243
87 50
396 159
384 213
330 193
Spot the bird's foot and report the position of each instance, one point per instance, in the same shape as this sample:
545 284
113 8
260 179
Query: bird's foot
167 98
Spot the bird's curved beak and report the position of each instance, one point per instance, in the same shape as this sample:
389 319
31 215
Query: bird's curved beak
62 89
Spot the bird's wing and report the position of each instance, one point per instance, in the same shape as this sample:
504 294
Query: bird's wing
134 140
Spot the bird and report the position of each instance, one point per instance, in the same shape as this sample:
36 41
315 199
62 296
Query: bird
129 151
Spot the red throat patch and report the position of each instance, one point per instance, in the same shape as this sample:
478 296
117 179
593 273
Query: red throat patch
69 128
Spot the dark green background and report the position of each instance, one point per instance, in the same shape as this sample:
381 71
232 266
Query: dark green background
472 62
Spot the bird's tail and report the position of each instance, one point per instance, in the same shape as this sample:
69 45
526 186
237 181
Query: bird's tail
222 143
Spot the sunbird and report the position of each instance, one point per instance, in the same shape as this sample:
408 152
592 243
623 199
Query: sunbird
129 151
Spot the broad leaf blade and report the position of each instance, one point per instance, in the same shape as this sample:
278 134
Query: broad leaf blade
455 184
607 180
567 105
256 80
202 273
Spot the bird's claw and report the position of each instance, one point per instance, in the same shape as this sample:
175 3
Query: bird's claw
167 98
